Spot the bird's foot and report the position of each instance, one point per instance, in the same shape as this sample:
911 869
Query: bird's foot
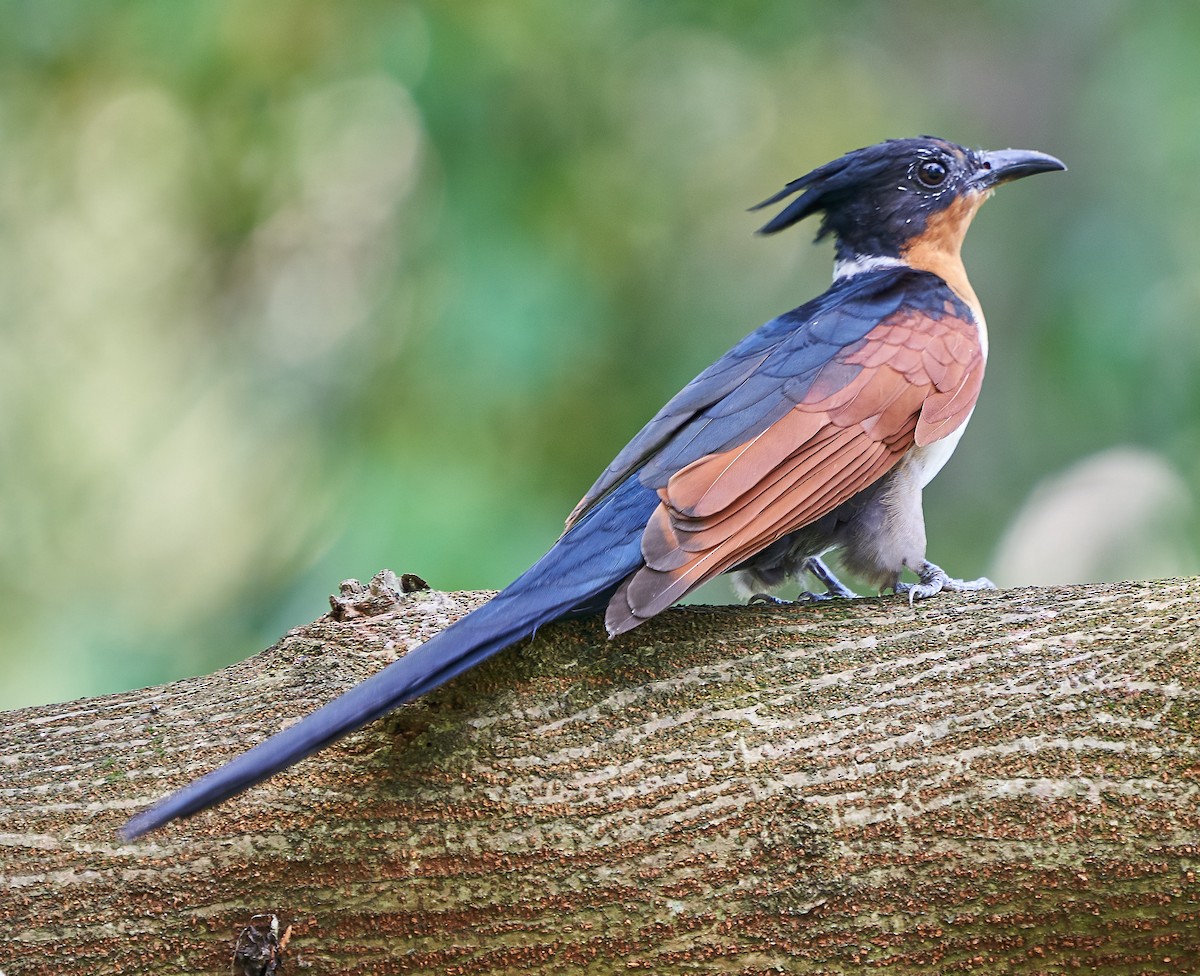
807 596
834 587
934 579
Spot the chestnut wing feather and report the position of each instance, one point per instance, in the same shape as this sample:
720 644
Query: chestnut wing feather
909 380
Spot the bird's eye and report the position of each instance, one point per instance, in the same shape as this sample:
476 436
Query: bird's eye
932 172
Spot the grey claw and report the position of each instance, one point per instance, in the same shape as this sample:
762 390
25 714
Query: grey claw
834 587
983 583
934 579
806 597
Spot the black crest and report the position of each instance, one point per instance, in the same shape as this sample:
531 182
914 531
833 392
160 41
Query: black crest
874 199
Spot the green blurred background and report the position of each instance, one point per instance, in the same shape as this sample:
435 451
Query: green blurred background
292 292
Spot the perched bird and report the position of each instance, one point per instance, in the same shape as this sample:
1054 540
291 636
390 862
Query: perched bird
817 431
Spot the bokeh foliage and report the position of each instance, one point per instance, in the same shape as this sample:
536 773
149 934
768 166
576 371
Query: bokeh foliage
292 291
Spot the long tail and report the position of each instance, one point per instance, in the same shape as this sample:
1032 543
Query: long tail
577 575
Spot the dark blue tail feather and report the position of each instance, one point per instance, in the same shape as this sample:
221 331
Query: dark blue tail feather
576 576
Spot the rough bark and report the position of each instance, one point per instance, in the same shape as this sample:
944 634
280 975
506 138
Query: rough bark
995 783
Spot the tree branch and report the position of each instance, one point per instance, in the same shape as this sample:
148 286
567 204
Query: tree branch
986 783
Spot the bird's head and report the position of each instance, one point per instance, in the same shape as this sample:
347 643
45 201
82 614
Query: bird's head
881 200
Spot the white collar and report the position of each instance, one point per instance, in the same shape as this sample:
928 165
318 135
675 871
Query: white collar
860 263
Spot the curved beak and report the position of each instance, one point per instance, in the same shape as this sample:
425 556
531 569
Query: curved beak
1005 165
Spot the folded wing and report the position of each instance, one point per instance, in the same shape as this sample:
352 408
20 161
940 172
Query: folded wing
845 399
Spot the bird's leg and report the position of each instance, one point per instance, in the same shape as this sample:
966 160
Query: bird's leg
934 579
834 587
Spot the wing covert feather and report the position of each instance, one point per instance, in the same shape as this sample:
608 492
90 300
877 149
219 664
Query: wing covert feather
910 380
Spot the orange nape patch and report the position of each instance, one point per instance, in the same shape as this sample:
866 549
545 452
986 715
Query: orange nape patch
910 381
